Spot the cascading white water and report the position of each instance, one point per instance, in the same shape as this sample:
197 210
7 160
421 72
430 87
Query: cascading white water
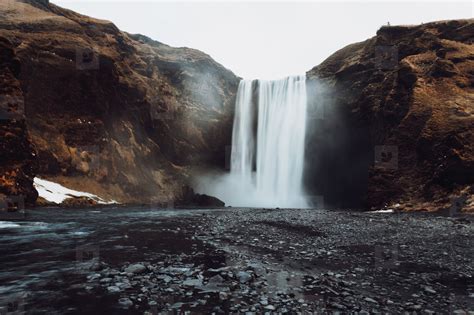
243 143
277 147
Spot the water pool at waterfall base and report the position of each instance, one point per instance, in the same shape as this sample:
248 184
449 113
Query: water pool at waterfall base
141 260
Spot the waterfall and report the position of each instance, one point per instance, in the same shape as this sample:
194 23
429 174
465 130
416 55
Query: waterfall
243 143
276 149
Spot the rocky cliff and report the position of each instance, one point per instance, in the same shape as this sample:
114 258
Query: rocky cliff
397 122
17 156
126 117
115 114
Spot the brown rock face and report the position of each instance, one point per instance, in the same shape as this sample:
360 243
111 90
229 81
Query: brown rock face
398 126
17 157
115 114
125 117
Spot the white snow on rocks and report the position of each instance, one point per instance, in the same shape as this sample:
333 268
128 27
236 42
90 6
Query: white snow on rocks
54 192
383 211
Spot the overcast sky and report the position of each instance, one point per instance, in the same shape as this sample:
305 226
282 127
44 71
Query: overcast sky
265 39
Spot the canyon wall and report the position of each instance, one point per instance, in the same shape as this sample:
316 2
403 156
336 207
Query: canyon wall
396 119
17 155
129 118
116 114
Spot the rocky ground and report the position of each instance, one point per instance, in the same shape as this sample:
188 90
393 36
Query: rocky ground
288 261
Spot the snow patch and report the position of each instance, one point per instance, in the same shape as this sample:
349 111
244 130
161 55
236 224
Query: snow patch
383 211
54 192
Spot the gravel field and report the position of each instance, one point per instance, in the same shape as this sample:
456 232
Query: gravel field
288 261
221 261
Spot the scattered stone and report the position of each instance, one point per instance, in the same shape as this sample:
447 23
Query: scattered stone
125 302
430 290
223 296
248 284
192 282
113 289
135 268
370 300
217 279
177 305
243 276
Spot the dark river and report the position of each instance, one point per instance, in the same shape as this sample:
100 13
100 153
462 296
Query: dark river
46 256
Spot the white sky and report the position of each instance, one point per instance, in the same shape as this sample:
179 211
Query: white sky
268 39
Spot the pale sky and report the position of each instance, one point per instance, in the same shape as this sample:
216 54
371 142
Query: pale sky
269 39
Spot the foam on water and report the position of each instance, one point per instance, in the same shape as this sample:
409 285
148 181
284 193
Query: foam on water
8 225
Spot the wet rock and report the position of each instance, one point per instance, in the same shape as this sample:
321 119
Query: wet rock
217 279
416 307
429 290
370 300
223 296
192 282
105 280
93 277
244 277
135 269
177 305
165 278
113 289
125 302
218 310
96 266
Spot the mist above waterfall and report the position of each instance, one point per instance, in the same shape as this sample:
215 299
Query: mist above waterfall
268 144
